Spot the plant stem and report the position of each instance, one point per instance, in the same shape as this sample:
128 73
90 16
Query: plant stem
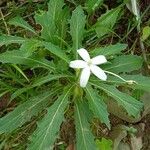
127 81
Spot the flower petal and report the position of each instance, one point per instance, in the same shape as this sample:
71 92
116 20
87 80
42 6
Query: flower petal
84 54
98 72
85 74
100 59
78 64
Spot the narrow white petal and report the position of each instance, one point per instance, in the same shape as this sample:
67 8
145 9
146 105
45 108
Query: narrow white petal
84 54
85 74
78 64
98 72
100 59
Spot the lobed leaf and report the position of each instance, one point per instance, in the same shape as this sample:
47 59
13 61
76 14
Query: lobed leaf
21 72
62 25
132 106
5 40
106 22
37 82
139 81
45 135
56 51
55 9
19 21
93 4
84 137
125 63
109 50
77 24
48 26
48 20
29 46
18 57
48 78
25 111
98 107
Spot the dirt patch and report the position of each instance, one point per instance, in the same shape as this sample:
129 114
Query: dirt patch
146 135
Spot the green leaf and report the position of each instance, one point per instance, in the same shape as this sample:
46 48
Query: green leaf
17 57
125 63
104 144
109 50
48 20
133 6
106 22
5 40
25 111
55 9
146 33
133 81
48 78
97 105
62 25
56 51
47 130
19 92
77 24
37 82
93 4
48 26
21 72
18 21
29 46
132 106
142 82
3 93
84 137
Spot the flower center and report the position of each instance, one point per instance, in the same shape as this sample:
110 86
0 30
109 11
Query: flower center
89 63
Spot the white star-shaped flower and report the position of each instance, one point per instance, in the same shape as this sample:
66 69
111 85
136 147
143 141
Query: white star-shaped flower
89 66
